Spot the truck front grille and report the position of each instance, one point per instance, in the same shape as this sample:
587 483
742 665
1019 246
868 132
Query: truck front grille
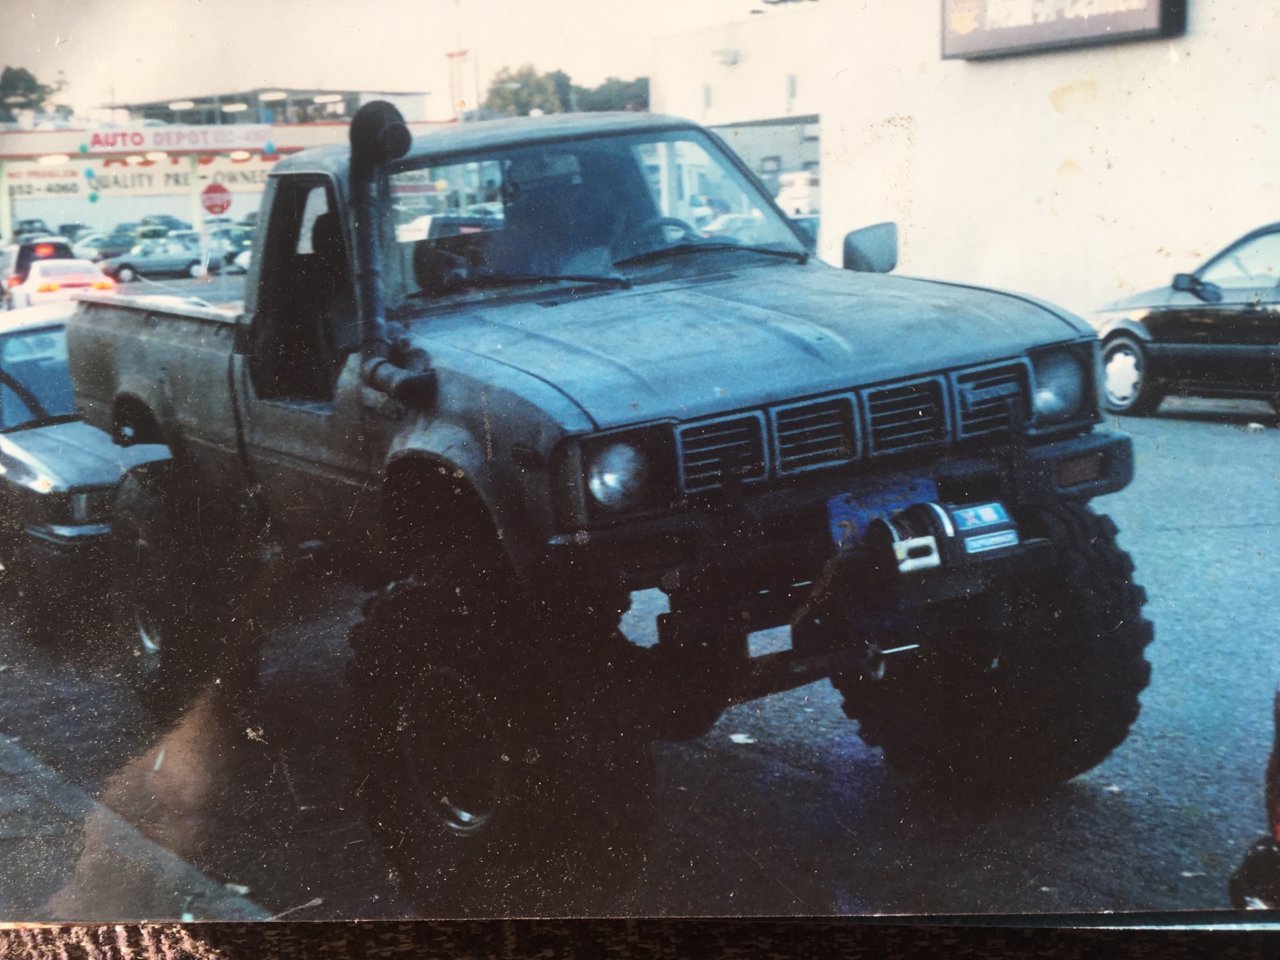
812 435
985 397
837 429
712 452
906 416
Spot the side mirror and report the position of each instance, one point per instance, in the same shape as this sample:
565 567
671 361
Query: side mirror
872 249
1190 283
807 227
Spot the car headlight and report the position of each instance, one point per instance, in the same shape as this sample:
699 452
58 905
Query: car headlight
618 476
1060 387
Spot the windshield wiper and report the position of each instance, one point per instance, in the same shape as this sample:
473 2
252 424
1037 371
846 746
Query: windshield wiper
48 420
516 279
680 249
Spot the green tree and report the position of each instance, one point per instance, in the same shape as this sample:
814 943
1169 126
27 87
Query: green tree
516 92
20 90
615 94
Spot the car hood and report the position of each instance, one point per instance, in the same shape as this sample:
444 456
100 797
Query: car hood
1147 299
694 348
68 456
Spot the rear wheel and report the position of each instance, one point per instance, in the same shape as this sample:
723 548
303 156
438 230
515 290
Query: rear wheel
1126 383
194 270
493 762
1020 702
126 274
177 628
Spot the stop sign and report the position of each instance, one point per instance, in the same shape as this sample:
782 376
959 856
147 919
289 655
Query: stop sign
215 198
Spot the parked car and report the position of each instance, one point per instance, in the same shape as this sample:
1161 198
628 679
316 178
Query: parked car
1256 883
241 263
160 258
99 246
57 473
166 220
1211 333
74 231
18 258
29 228
50 281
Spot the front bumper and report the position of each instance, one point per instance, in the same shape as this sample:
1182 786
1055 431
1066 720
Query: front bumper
760 538
66 561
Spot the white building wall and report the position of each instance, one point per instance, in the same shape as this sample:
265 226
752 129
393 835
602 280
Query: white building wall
1078 176
759 68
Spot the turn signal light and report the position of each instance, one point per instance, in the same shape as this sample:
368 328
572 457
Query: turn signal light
48 287
104 284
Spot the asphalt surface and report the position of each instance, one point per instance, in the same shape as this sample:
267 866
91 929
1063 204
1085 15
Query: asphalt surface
780 810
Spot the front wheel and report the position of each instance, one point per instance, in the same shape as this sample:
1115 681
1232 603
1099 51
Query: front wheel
194 270
1015 703
126 274
1126 382
490 762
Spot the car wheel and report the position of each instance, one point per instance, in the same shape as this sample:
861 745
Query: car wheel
194 270
178 632
1023 690
126 274
490 773
1126 383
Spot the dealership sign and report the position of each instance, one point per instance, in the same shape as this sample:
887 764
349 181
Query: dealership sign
973 29
117 177
193 139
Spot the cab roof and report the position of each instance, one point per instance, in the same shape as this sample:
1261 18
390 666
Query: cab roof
489 134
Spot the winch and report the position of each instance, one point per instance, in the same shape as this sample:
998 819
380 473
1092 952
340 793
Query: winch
929 535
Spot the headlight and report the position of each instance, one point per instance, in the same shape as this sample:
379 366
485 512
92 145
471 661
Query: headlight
618 476
1060 387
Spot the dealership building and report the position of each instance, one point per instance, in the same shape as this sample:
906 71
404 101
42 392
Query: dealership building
1078 150
161 157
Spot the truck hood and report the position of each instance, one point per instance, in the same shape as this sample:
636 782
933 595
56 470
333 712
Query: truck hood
694 348
67 456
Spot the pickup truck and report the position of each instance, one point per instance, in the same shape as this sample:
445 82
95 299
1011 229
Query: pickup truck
503 426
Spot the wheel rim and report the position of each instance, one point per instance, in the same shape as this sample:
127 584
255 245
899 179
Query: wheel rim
126 275
147 620
452 753
1122 374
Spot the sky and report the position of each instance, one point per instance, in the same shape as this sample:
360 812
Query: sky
133 50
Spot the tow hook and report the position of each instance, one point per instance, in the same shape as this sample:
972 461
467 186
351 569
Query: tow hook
873 661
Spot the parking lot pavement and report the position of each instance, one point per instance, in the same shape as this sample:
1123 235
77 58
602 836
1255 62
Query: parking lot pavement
80 861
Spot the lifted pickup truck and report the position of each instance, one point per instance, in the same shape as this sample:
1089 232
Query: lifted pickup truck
560 392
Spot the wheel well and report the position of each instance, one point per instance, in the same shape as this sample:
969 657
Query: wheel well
133 422
429 509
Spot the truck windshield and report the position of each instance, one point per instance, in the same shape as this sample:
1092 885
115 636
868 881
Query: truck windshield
572 210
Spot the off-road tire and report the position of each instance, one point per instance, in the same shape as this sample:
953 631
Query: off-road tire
1146 394
1017 710
177 617
564 770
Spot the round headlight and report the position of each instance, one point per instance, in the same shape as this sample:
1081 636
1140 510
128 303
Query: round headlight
617 476
1060 387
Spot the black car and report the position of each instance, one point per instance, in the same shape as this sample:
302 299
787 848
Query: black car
57 474
1211 333
166 220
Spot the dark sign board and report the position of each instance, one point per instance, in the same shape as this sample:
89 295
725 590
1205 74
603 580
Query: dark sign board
973 29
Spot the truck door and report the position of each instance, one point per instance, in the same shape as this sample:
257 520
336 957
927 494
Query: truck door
301 393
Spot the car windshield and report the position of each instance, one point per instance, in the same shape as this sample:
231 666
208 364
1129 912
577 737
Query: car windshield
34 382
573 210
1251 263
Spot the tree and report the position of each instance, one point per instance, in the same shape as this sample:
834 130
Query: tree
20 90
517 92
615 94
